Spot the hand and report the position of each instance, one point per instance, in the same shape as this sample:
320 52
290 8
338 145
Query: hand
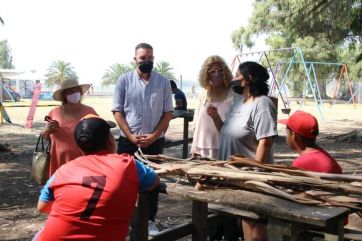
145 141
213 112
52 126
133 139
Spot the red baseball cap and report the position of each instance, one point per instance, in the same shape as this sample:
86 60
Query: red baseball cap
302 123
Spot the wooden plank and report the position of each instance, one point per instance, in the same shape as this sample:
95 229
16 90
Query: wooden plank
178 142
263 205
199 220
181 230
139 222
174 233
228 211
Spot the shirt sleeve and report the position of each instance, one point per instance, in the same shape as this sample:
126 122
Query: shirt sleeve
46 193
265 124
119 94
146 176
167 99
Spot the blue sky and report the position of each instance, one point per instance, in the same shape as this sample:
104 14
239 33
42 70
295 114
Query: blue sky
92 35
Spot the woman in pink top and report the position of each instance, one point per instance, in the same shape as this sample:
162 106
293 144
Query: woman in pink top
62 121
215 79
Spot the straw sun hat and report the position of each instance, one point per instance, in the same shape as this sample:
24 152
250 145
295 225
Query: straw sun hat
67 84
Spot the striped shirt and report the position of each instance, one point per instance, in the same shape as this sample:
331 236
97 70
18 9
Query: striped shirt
141 104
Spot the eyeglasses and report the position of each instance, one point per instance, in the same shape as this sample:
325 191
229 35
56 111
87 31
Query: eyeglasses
214 71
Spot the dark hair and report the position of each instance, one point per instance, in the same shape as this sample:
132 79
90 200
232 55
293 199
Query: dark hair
143 46
173 84
257 77
91 135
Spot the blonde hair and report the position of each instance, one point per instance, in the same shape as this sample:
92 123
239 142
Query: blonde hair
204 75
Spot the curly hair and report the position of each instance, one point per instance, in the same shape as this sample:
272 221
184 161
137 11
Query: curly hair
206 66
257 76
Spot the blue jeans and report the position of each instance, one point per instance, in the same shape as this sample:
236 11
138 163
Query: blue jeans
125 146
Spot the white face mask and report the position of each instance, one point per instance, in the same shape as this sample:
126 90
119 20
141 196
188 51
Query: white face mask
74 98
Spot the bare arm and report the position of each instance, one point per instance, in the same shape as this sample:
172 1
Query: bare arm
121 121
263 148
44 207
214 114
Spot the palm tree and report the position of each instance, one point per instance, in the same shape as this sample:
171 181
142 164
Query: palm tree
59 71
113 73
164 68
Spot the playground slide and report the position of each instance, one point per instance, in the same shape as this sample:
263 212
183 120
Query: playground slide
9 94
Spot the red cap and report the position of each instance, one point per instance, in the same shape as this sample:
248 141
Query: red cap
302 123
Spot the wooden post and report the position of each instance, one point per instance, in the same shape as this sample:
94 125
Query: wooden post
199 220
139 222
185 145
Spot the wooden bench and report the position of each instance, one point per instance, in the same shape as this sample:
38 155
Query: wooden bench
284 218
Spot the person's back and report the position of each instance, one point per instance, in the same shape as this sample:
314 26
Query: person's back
93 196
180 97
302 131
317 161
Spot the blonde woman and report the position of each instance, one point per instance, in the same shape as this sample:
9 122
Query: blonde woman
215 79
62 121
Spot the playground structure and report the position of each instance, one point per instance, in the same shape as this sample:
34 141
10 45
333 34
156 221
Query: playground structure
311 81
7 93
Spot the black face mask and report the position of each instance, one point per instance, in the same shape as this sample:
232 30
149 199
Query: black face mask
145 66
235 85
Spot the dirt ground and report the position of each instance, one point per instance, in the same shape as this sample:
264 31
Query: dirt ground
19 219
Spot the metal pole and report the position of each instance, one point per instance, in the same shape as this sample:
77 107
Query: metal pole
309 81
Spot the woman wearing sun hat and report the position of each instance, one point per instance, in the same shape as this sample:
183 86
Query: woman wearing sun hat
62 121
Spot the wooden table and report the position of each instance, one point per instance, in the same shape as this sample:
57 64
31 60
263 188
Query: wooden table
188 116
284 218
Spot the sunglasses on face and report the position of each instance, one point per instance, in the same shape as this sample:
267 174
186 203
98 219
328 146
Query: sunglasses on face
214 71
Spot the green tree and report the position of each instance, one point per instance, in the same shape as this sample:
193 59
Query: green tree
5 55
113 72
165 69
323 29
59 71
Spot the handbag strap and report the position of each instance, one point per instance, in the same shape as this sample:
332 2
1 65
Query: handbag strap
46 149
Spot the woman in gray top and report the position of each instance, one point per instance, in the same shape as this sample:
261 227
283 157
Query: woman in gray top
250 127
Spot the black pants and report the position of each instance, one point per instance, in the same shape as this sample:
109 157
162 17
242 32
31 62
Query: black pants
125 146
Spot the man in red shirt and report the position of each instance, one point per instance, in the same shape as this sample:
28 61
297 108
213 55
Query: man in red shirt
93 196
302 131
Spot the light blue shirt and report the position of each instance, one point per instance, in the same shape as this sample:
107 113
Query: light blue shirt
141 104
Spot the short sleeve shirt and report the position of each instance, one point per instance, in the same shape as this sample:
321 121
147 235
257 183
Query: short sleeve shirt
141 103
245 125
317 161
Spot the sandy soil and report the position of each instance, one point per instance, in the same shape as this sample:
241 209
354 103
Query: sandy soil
18 193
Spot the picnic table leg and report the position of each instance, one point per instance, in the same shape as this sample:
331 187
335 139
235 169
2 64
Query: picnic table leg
199 221
335 233
139 222
185 144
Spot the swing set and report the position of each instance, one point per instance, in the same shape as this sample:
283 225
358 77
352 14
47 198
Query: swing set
309 70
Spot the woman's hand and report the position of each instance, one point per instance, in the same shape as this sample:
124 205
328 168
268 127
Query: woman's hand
213 112
52 126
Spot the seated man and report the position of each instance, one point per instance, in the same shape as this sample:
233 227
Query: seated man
93 196
180 98
302 131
